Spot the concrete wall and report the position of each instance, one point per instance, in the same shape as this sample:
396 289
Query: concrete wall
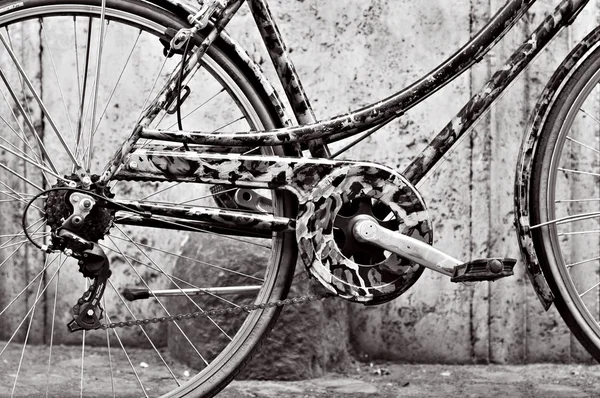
350 53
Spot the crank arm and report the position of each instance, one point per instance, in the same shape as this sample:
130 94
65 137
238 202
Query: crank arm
369 231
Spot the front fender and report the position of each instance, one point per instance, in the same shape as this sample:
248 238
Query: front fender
525 163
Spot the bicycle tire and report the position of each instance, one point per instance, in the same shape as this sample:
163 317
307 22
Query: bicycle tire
563 185
225 68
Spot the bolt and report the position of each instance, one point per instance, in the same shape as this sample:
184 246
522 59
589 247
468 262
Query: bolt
68 252
133 165
77 220
90 312
87 181
75 198
85 204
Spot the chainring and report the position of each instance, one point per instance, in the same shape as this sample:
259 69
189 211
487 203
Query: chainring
318 237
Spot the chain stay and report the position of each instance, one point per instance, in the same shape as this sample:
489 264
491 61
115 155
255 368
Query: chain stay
216 312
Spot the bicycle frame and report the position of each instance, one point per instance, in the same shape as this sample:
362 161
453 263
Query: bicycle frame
296 174
343 126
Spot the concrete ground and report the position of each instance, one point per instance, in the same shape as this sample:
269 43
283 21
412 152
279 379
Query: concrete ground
393 380
372 380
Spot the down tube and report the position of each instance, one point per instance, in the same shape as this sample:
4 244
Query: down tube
470 114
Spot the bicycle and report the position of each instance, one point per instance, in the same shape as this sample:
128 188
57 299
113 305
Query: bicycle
361 229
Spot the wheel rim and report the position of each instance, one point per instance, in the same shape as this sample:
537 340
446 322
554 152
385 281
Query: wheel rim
575 245
122 241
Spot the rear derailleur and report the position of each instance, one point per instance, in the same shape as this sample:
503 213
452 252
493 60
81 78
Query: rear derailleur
93 264
76 236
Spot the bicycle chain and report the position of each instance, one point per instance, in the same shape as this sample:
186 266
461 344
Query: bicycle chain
216 312
193 315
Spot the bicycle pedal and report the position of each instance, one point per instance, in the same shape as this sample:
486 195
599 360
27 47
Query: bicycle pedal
486 269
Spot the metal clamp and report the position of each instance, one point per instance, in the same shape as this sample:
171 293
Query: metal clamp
182 37
82 206
209 8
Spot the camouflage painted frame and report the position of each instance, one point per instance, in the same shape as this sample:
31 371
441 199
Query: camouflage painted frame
160 163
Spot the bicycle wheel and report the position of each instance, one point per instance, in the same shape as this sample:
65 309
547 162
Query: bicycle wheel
79 81
565 195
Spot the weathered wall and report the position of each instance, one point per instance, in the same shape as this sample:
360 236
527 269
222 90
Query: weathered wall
353 52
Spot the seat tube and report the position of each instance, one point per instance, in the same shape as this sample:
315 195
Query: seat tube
286 71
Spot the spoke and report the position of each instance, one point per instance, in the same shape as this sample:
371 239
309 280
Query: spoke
20 77
20 197
23 234
193 260
151 90
28 160
135 260
190 228
160 303
82 353
10 200
590 289
31 309
589 260
583 145
23 242
117 84
13 253
41 273
37 295
19 149
59 86
28 117
28 122
168 221
590 115
571 218
52 329
22 138
144 332
76 57
161 191
38 99
112 376
101 38
83 89
16 148
196 108
172 281
578 172
229 124
363 137
82 359
579 233
20 177
577 200
127 356
20 234
207 196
